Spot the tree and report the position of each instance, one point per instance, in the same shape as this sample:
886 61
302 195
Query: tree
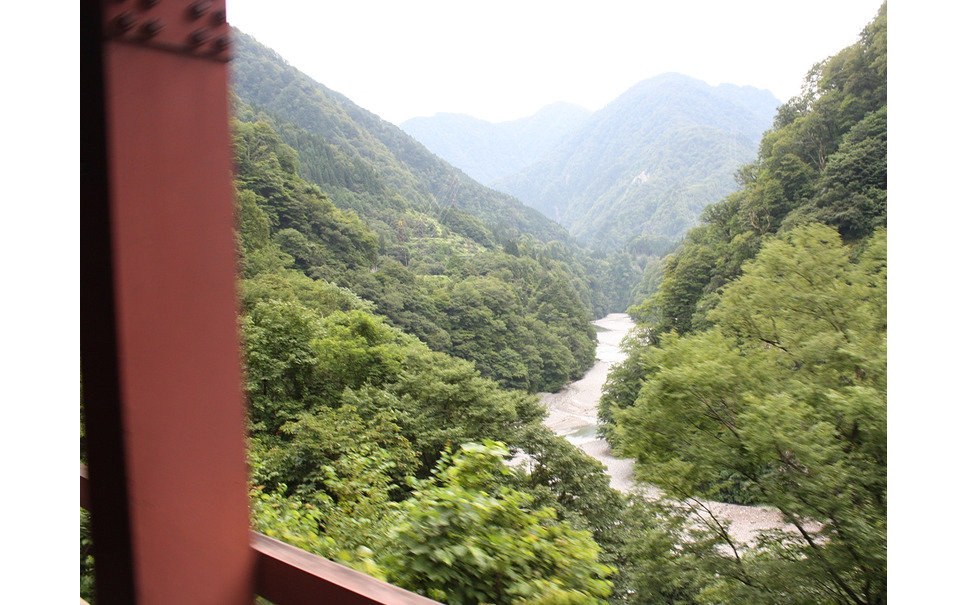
824 160
788 392
329 480
280 362
463 538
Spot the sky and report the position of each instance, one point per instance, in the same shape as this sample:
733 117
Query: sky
501 60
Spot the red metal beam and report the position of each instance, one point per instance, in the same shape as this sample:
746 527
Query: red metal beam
99 355
166 356
290 576
163 407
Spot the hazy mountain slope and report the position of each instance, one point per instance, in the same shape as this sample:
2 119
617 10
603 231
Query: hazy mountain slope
648 162
488 151
436 254
263 79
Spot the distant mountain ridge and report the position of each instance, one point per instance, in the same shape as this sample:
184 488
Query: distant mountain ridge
643 166
649 162
488 151
334 126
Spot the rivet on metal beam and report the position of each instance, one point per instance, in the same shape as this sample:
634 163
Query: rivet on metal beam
218 17
221 43
197 9
149 3
124 22
152 28
199 36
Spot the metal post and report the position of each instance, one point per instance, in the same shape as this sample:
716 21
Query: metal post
160 357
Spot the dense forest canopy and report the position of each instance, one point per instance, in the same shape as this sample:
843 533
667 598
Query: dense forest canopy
513 310
824 160
345 147
759 370
401 190
360 432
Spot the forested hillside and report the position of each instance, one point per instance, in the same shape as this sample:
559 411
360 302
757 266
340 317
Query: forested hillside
759 374
824 160
647 163
360 159
488 151
368 447
454 267
515 313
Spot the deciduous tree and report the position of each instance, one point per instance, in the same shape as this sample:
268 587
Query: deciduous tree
788 392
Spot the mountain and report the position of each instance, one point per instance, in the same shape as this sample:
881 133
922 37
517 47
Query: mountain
647 163
823 161
487 151
766 348
333 198
374 156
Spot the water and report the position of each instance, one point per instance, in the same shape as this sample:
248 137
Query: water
573 411
583 434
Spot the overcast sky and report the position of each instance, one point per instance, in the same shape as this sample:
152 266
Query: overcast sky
505 59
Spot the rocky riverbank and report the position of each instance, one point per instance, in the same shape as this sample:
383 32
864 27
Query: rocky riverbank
573 414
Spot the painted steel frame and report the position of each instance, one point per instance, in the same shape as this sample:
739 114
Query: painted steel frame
160 359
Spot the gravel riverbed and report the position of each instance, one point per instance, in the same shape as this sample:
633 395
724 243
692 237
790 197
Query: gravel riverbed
573 414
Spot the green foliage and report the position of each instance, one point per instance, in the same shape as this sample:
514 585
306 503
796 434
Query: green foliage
303 223
280 362
294 286
253 223
522 324
449 403
344 147
345 410
561 476
289 520
624 380
302 524
669 558
765 380
824 160
297 361
686 279
787 391
768 387
853 190
577 482
463 538
334 456
87 559
297 246
329 479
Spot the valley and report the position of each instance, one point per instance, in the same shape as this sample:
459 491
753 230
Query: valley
693 276
400 320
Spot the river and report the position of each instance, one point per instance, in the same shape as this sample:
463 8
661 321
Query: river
573 411
573 414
